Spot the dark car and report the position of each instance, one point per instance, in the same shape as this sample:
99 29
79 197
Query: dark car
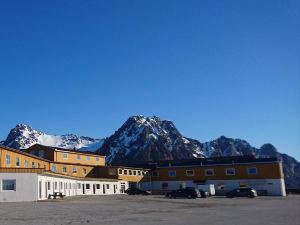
184 193
136 191
242 192
201 194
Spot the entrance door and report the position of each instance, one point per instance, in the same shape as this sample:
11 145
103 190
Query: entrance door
103 188
46 190
114 189
94 189
40 189
83 189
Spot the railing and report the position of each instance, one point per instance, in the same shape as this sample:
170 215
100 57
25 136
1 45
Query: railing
22 170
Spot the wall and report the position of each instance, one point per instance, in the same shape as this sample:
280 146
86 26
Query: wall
273 187
26 187
264 171
72 158
69 167
39 163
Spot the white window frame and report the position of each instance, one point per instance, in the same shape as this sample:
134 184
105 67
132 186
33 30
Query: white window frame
65 155
209 175
190 175
18 161
15 185
53 168
229 174
74 170
7 160
26 163
88 158
249 168
65 169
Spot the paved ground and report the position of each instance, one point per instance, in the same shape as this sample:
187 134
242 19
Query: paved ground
130 210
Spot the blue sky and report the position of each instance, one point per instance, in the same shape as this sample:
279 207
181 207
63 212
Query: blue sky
212 67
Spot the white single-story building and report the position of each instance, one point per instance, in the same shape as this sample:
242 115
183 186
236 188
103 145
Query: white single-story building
19 187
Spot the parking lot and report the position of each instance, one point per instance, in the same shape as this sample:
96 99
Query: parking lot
123 209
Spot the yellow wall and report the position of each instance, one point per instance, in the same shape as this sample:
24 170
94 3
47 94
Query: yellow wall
264 171
72 158
69 170
38 163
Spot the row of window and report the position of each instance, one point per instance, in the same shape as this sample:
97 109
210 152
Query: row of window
74 186
130 172
78 157
18 162
207 172
74 170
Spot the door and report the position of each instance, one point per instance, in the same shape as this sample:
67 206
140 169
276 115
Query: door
83 189
40 189
114 189
94 189
46 190
103 188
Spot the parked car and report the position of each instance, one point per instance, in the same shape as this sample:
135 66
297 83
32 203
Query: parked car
202 193
136 191
242 192
184 193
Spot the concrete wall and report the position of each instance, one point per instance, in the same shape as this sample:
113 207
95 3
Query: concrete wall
272 187
26 187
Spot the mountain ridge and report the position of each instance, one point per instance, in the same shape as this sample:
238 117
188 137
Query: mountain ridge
143 139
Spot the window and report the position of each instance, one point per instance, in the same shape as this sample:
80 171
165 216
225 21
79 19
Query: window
25 163
190 173
164 185
64 169
84 170
8 185
172 173
78 186
78 157
17 162
98 186
139 173
230 171
41 154
107 186
65 155
130 172
87 186
252 170
61 185
49 187
209 172
53 168
134 172
74 170
155 174
33 165
7 159
97 159
125 172
111 172
55 185
88 158
120 171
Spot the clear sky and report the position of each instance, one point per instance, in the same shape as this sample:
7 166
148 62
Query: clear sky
212 67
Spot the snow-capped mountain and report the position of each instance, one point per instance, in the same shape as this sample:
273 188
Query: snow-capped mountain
24 136
144 139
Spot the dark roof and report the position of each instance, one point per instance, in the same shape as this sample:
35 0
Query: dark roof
201 162
65 149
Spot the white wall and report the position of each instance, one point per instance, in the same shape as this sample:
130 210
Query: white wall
73 187
274 187
26 187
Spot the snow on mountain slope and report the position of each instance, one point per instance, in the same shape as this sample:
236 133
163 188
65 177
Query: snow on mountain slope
149 138
24 136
